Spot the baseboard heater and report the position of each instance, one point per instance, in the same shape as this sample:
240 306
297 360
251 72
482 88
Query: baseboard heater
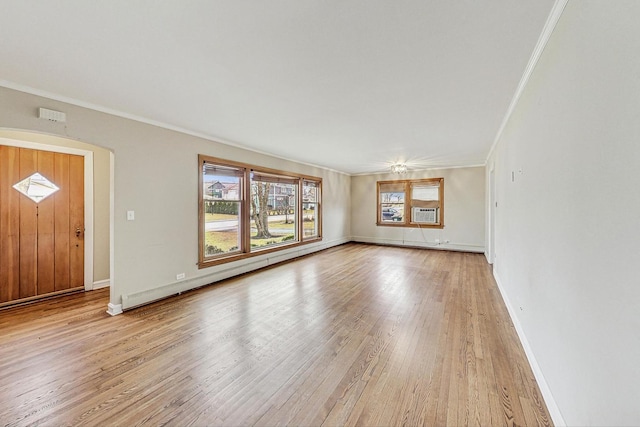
148 296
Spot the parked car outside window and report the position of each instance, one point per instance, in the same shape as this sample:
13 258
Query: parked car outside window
391 214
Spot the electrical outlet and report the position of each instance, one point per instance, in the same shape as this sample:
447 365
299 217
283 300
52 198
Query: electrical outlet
180 276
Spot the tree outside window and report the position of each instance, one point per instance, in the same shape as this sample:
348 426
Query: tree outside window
246 210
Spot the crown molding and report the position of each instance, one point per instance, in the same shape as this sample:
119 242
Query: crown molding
547 30
96 107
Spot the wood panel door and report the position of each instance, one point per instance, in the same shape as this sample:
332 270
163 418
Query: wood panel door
41 237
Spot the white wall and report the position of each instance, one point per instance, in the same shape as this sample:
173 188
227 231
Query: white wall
156 175
464 213
568 227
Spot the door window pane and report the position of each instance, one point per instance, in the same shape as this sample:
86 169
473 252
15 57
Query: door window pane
36 187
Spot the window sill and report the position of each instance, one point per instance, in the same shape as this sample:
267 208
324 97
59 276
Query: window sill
224 259
410 225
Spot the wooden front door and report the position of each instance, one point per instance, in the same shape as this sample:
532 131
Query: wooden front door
41 236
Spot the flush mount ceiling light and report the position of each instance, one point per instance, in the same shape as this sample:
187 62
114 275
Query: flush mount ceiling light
398 168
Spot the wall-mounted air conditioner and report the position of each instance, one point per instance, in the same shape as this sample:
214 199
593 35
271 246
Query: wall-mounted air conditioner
425 215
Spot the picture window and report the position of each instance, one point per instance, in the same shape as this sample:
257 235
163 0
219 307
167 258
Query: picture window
245 210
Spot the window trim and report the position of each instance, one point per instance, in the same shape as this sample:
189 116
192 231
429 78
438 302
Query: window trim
263 175
245 208
406 184
318 209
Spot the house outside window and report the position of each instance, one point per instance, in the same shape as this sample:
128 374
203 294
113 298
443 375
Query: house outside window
273 213
245 210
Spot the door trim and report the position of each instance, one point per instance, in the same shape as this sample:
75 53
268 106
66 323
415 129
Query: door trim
491 246
88 196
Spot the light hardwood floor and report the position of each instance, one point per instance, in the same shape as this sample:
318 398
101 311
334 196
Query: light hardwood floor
354 335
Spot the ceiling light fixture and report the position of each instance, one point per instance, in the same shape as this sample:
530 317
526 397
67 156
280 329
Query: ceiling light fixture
398 168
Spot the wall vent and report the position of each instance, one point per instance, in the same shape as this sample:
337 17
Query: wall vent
52 115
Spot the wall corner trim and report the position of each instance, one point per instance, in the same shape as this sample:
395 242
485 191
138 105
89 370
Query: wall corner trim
552 406
114 309
547 30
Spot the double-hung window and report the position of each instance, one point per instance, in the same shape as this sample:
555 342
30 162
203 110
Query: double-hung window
274 210
222 209
391 197
310 209
246 210
411 203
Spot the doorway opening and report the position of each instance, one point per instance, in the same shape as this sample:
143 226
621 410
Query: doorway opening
58 242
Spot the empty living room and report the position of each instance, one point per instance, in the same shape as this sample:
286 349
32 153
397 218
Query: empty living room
313 213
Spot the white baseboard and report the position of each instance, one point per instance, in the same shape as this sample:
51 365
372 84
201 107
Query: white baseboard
114 309
101 284
462 247
229 270
150 295
552 406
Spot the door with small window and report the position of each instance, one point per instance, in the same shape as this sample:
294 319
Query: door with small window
41 224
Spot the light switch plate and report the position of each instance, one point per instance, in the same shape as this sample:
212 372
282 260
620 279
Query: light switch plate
131 215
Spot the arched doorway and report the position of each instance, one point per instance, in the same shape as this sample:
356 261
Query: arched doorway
88 232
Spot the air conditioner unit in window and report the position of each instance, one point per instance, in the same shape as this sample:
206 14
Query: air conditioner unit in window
425 215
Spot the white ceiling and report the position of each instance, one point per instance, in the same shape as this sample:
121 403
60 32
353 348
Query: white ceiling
352 85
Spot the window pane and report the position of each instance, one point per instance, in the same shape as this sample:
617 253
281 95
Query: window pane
309 220
221 228
309 209
392 205
310 192
221 187
222 194
273 214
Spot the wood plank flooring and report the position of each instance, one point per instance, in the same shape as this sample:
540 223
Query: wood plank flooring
354 335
